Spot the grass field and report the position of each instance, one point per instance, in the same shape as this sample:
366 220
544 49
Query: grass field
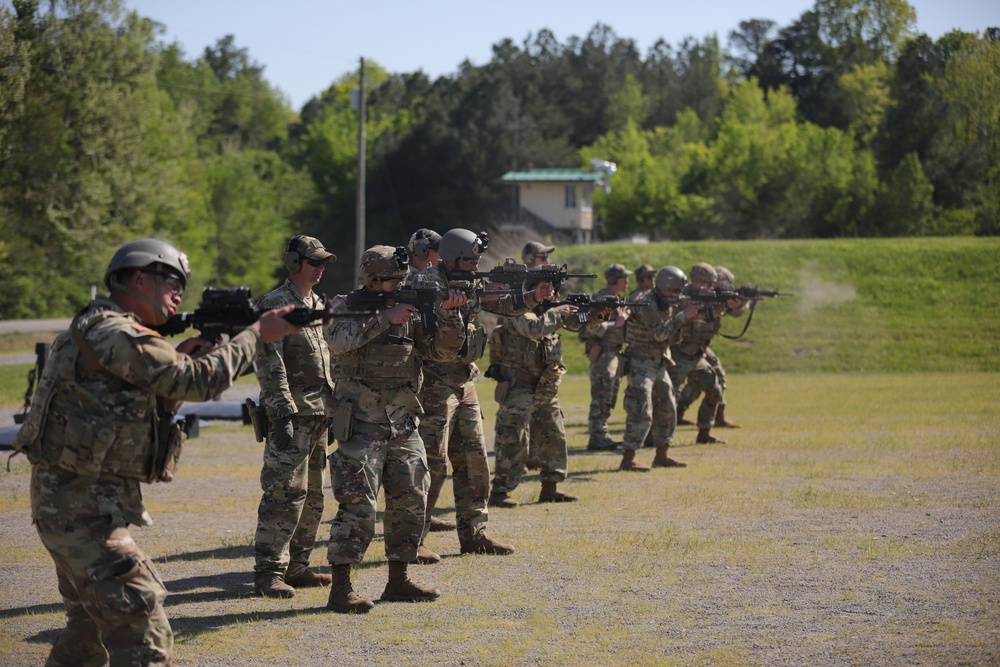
854 520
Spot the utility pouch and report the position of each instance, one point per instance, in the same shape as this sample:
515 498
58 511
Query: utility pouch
594 352
258 418
170 437
341 421
501 390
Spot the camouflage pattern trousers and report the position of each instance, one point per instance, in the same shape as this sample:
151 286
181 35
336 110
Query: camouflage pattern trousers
699 374
291 506
688 393
110 588
604 383
527 415
649 404
377 455
452 430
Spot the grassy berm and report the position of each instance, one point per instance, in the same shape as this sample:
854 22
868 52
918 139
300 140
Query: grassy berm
853 520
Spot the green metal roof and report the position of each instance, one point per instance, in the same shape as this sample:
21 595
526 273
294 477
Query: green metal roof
552 176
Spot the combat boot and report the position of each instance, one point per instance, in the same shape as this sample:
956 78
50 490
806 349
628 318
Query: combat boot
399 588
705 438
308 579
550 494
484 544
343 599
273 586
680 417
426 557
601 443
661 460
720 418
628 462
502 500
441 525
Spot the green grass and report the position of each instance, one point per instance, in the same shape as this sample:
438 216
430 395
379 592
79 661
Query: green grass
860 305
852 520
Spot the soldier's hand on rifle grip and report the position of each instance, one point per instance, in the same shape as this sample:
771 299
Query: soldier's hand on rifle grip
734 304
456 299
399 313
565 310
195 347
273 326
545 292
621 319
692 309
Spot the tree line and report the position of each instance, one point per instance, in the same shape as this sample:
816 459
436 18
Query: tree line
843 123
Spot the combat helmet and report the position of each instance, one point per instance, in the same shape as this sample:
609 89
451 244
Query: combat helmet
382 262
146 252
725 278
670 278
461 243
703 272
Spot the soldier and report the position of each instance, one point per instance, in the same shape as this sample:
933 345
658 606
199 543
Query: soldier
603 339
423 252
423 249
375 425
100 424
689 394
644 275
295 388
688 353
536 253
529 373
450 400
649 400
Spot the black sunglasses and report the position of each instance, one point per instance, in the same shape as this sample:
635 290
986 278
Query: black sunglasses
172 282
316 262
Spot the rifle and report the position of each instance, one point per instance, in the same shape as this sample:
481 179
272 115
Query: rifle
514 274
35 374
587 304
711 296
230 311
423 299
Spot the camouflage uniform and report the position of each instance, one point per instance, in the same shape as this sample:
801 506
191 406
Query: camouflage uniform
89 437
375 422
530 372
602 345
694 366
295 387
649 401
688 394
451 405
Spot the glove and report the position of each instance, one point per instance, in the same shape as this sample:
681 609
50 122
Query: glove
282 433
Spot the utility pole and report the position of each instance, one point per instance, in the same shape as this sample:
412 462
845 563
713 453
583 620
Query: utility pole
359 230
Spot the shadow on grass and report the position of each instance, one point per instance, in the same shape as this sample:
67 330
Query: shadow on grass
32 610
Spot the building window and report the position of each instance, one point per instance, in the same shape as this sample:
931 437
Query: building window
570 196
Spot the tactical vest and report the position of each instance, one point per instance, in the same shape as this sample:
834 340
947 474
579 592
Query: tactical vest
387 361
697 334
70 426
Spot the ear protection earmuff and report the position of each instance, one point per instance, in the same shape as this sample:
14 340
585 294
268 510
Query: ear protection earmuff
293 260
421 250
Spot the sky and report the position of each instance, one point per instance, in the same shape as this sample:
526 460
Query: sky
305 45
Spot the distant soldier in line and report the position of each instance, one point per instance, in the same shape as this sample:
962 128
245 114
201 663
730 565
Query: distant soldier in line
603 339
110 384
423 249
644 275
691 364
529 373
295 390
375 423
450 400
689 394
649 400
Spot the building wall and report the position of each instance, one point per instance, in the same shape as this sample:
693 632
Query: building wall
547 201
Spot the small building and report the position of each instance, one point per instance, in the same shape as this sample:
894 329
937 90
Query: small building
555 203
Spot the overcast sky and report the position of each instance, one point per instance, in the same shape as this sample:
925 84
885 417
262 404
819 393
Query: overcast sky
305 45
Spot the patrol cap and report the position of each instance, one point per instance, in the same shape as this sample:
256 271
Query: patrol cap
616 272
645 271
533 248
309 247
